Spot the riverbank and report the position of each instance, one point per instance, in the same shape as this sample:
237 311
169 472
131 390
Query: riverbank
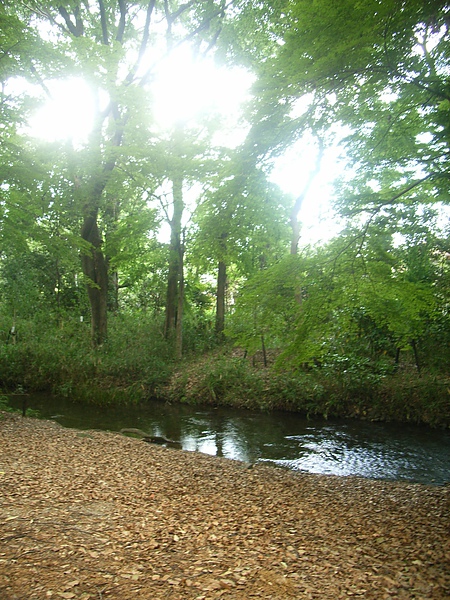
230 379
120 373
98 515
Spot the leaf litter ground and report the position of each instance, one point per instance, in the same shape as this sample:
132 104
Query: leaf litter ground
96 515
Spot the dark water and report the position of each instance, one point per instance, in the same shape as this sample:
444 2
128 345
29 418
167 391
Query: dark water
344 447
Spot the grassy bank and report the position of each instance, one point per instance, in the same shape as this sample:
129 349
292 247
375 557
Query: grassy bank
136 365
223 379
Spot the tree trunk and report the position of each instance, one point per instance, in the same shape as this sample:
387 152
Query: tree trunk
220 305
264 353
179 323
295 226
96 273
174 258
293 218
113 294
416 356
397 359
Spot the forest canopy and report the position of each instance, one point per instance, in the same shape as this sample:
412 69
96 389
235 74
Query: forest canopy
153 230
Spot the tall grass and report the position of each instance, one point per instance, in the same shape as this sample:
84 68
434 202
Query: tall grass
61 360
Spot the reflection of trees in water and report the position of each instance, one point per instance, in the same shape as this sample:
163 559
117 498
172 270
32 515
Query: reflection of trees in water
219 426
212 428
167 421
245 435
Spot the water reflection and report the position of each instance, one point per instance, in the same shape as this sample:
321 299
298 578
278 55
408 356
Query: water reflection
384 451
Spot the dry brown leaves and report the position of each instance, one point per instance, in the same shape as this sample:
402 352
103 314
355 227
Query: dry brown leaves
94 515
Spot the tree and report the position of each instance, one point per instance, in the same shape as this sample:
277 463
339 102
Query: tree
242 223
186 162
364 299
109 44
379 69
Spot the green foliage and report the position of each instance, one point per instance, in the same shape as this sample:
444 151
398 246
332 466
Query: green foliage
267 306
5 407
4 404
348 390
349 322
351 306
242 220
60 359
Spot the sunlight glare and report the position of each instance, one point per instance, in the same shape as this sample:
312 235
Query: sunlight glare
68 114
291 172
185 89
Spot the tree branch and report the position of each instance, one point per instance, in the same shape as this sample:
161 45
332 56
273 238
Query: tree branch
408 189
77 29
215 37
182 8
203 25
169 20
144 42
121 27
40 80
104 22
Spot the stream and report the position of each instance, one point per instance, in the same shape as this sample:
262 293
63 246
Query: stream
337 447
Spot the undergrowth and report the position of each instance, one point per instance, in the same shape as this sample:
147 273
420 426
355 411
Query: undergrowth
136 364
62 361
227 379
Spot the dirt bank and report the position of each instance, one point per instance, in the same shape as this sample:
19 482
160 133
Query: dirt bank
95 515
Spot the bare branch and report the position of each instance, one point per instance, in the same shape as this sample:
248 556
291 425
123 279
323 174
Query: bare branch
146 33
375 206
40 81
104 22
203 26
144 41
123 14
8 50
169 20
181 10
215 37
408 189
78 21
77 29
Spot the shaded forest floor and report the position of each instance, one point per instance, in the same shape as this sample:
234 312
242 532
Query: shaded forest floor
95 515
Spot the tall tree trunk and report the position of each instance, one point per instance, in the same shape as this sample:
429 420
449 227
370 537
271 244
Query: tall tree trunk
113 293
94 262
96 273
264 352
293 217
221 288
174 258
295 226
416 356
110 218
221 293
179 324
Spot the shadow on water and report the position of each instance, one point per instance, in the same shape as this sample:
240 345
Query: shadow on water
344 447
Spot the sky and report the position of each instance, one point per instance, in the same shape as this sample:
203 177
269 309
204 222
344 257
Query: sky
182 90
